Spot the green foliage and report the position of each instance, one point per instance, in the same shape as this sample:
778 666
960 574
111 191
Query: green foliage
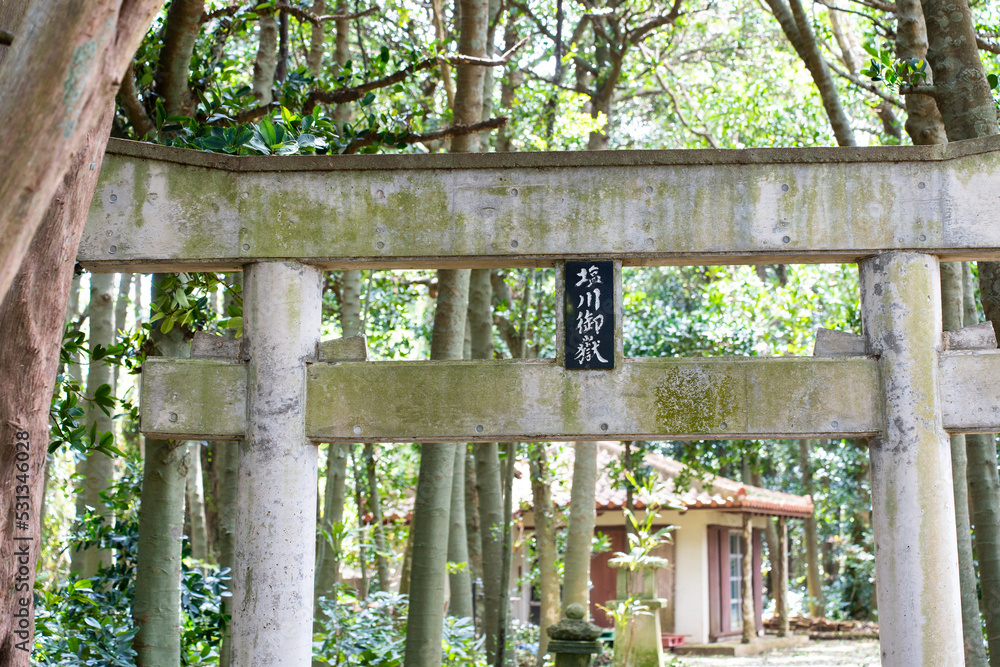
89 621
372 633
884 67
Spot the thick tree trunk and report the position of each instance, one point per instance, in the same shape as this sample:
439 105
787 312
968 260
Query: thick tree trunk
923 120
31 328
360 505
473 533
195 490
813 582
98 468
58 79
580 531
468 107
545 545
430 511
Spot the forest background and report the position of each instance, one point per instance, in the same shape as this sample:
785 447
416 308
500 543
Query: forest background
287 78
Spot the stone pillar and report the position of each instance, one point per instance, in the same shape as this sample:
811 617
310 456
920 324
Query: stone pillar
276 516
916 564
782 579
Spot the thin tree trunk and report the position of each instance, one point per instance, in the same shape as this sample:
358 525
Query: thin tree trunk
378 530
31 329
59 77
266 64
472 529
156 610
746 583
437 14
491 526
98 468
431 506
967 108
459 579
952 313
317 37
781 595
180 32
813 582
195 488
468 107
404 571
770 541
505 657
795 24
226 468
545 545
121 315
362 538
580 531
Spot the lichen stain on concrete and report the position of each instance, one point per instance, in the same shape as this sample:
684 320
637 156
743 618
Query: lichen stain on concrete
692 400
73 86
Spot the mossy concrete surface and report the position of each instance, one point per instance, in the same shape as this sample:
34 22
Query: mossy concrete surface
423 400
158 208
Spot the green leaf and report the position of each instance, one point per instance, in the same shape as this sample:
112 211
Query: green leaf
368 99
992 78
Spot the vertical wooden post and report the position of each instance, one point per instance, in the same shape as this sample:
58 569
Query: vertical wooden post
782 579
276 515
920 615
746 582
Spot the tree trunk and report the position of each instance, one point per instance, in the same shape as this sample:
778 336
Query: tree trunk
473 533
545 545
746 583
156 610
362 558
180 32
58 79
98 468
317 37
378 530
460 578
433 500
795 24
121 316
31 328
226 468
503 656
968 111
952 314
468 107
813 582
923 120
781 594
770 541
195 488
266 64
580 531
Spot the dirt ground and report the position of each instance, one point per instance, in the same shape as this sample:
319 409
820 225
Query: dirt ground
827 653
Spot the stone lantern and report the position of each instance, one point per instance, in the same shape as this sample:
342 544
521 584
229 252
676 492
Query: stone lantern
573 640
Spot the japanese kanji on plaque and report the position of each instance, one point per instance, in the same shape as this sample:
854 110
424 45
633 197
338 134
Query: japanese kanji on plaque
590 315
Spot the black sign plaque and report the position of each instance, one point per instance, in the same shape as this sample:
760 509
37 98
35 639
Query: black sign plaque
590 315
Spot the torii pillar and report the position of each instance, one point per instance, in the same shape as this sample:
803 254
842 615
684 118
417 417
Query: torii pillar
276 515
916 549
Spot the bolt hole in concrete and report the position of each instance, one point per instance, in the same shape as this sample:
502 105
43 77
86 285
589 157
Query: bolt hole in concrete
513 191
479 428
246 246
113 198
379 245
513 244
113 249
784 187
357 430
173 416
604 427
786 239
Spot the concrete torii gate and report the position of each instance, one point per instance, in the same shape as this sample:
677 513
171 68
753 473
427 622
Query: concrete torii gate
895 211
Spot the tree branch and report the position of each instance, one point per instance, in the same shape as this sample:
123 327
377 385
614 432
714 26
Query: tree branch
128 97
888 7
370 138
870 87
637 35
981 42
301 14
930 91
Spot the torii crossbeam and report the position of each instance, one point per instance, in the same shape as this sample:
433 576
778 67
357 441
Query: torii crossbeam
896 211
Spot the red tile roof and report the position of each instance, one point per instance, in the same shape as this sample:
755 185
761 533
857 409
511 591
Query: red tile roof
715 493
